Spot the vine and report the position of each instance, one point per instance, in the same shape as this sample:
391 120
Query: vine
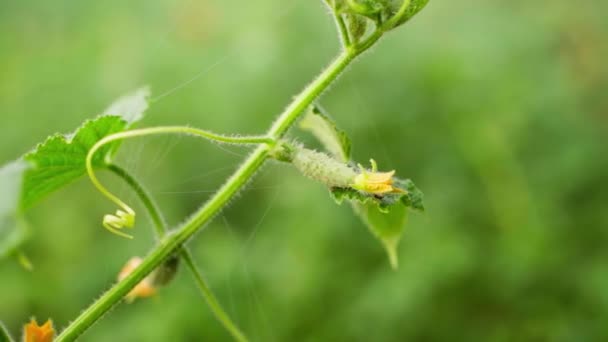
379 198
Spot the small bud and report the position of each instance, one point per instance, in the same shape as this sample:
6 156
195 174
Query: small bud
144 289
32 332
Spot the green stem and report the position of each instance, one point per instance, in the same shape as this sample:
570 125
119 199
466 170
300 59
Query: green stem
160 226
242 175
310 93
212 301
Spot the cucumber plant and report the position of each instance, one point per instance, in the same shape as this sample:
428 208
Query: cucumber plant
380 199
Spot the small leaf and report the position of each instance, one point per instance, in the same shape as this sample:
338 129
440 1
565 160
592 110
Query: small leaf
414 197
335 140
4 335
357 26
387 226
341 194
384 215
411 198
60 160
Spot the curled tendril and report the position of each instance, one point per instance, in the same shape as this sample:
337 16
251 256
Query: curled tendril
125 216
122 219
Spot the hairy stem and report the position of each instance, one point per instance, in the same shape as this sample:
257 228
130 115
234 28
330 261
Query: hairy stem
242 175
160 226
310 93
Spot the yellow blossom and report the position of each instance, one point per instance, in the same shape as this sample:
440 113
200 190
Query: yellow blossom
144 289
35 333
375 182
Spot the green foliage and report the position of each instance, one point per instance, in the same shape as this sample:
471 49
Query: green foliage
357 26
56 163
411 198
60 160
386 225
497 110
384 215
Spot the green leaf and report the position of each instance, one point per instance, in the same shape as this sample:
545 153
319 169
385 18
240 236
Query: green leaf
384 215
56 163
4 335
356 196
60 160
357 26
341 194
386 226
335 140
413 198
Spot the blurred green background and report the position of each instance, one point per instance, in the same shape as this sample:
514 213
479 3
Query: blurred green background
496 109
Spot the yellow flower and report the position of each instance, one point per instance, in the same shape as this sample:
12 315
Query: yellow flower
144 289
35 333
375 182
